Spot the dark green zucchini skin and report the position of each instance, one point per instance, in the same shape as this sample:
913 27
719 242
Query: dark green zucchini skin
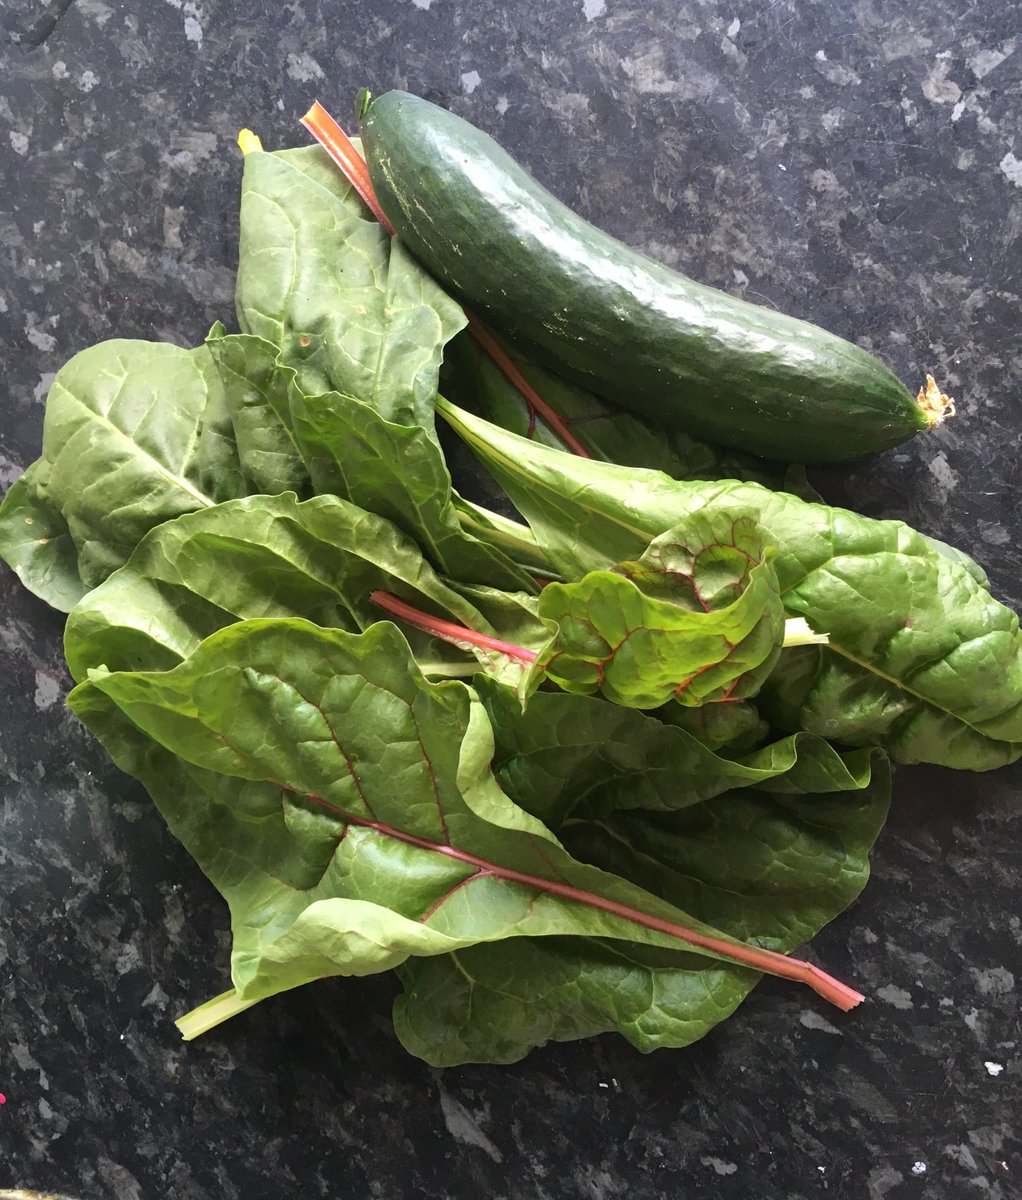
628 328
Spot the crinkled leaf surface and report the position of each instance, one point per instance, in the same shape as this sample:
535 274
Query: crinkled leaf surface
572 757
736 726
777 847
349 309
922 659
697 619
775 869
342 445
135 434
375 830
359 330
270 556
399 472
257 395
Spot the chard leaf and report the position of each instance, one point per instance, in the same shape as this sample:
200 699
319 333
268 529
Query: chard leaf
399 472
585 515
36 542
135 434
347 306
565 758
342 445
346 809
735 726
922 660
256 393
270 556
779 848
696 619
770 868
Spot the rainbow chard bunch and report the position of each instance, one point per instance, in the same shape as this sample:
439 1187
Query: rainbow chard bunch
595 769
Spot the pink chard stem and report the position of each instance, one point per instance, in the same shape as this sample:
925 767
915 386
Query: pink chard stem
831 989
769 961
532 398
446 630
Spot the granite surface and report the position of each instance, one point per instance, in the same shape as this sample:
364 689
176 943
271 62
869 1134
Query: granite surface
850 162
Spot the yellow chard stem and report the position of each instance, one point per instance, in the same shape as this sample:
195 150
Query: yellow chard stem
214 1012
249 141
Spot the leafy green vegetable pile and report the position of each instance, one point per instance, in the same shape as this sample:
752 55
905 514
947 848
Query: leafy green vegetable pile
563 776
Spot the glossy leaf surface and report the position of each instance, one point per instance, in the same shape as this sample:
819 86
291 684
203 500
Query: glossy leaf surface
320 559
922 659
346 809
775 868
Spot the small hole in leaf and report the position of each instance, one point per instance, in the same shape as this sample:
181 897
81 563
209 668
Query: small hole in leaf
304 341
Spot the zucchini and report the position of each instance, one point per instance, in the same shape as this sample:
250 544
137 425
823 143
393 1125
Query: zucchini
630 329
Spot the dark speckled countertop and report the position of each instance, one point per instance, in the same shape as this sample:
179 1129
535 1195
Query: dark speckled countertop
859 163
